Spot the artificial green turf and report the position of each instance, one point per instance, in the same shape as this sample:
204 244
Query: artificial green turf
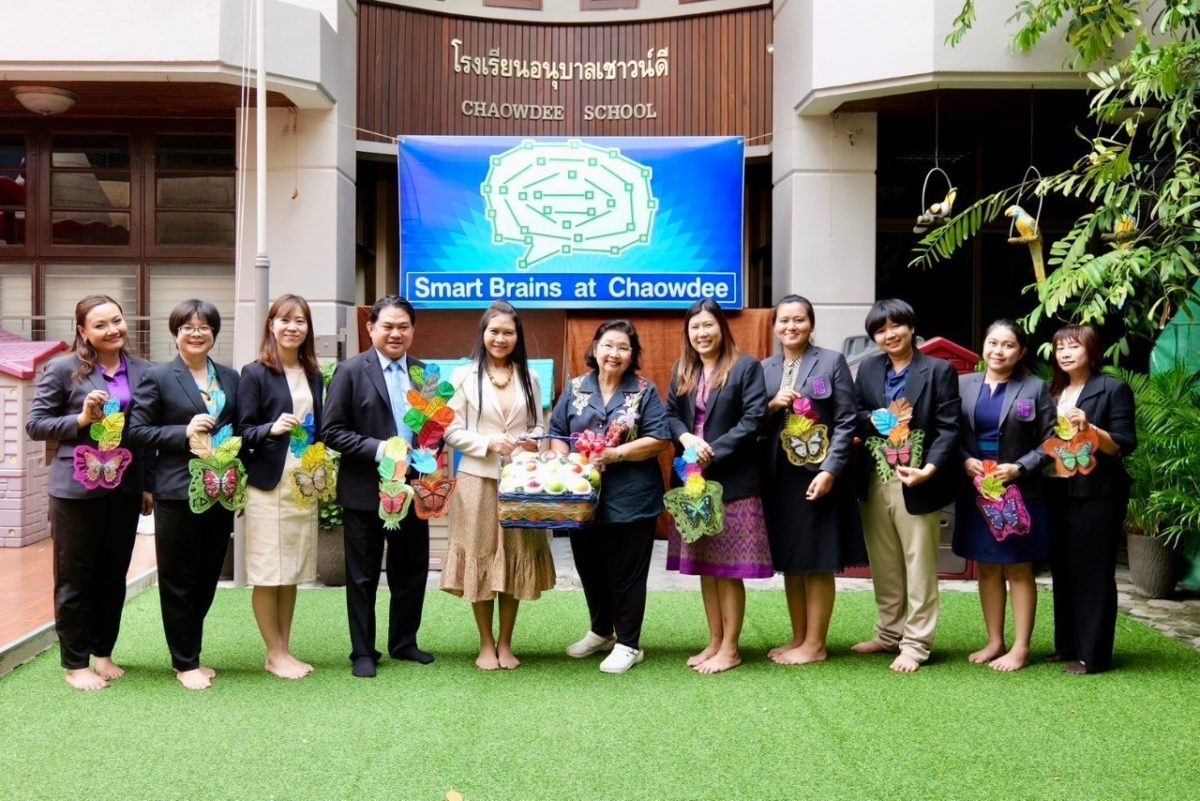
558 729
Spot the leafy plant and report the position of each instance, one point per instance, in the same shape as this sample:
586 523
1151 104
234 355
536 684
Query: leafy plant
1143 175
1165 497
329 513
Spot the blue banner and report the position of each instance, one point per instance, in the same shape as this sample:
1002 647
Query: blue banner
650 223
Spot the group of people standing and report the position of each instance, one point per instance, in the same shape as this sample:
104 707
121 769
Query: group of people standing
806 517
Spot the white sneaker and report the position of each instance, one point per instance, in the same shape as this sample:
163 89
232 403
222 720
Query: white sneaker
592 643
622 659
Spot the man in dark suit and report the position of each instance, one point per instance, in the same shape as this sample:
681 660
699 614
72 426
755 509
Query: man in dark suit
365 406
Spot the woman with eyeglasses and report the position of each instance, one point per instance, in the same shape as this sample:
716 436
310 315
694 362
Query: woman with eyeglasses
612 553
188 396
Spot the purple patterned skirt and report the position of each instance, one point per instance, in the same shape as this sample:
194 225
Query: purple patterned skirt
741 551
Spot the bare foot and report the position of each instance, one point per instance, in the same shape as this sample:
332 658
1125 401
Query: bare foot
1075 668
787 646
487 659
905 664
1054 657
719 663
801 656
1013 661
86 680
307 668
986 654
207 671
703 656
508 660
194 679
107 669
283 666
870 647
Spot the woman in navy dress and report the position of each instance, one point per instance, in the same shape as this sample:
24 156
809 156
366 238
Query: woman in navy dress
1006 416
812 516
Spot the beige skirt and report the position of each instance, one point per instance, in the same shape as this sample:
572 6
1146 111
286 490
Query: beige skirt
484 559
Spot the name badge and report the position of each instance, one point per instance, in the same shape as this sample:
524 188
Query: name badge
819 387
1024 409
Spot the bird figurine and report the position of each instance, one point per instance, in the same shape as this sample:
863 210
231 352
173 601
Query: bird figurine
1124 231
1030 235
937 214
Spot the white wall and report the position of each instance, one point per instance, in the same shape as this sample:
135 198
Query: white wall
567 11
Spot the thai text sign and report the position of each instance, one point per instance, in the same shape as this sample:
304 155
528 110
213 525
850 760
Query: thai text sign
571 223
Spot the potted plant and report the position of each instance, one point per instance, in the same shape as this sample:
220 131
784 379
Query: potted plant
1164 504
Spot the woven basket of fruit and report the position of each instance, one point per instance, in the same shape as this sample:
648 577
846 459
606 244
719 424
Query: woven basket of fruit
548 491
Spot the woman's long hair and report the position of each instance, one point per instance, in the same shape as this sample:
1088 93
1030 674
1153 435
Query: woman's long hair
519 359
690 368
1083 334
1020 369
83 349
268 352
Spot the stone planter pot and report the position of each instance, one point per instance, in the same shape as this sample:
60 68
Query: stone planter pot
331 557
1153 566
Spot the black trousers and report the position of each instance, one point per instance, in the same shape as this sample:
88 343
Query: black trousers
613 560
93 540
407 574
1083 563
191 549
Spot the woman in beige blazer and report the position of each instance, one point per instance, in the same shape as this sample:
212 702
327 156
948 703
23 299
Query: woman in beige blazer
497 409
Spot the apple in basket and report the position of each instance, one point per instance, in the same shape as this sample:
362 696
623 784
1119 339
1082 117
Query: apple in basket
555 486
534 487
580 486
508 471
523 456
576 468
509 484
548 456
551 468
531 466
593 476
575 457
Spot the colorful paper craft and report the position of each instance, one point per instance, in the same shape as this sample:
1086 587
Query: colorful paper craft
900 446
395 496
432 496
103 467
1074 452
697 507
805 440
303 434
218 475
1003 508
314 480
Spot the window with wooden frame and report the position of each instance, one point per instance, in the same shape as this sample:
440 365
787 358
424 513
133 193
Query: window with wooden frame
524 5
606 5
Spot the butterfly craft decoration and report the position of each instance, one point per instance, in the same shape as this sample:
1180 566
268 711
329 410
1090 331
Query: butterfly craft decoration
303 435
697 507
218 475
899 446
103 467
1003 508
1074 451
314 480
804 438
428 415
432 496
395 495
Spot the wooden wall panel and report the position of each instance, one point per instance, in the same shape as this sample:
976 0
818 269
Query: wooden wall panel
719 80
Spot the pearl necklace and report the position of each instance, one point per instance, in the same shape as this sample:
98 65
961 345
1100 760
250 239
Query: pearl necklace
499 384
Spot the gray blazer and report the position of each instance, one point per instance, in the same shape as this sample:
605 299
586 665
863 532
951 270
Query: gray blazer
52 418
1026 421
824 378
164 402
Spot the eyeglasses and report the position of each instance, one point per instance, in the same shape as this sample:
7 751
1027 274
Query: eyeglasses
622 349
189 330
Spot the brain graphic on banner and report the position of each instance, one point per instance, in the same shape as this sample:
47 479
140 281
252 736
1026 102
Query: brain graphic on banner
568 198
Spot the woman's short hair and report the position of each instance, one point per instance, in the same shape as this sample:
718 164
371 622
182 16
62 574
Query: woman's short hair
626 328
182 314
894 309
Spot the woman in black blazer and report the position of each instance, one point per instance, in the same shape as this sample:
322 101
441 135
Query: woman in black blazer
716 403
1089 510
280 391
189 395
901 508
1006 416
94 528
808 493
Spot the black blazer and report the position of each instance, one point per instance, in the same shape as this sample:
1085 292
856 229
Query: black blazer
358 416
164 403
932 390
52 417
263 395
1108 404
1020 439
735 413
824 379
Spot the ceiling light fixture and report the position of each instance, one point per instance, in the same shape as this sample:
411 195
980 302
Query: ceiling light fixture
44 100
